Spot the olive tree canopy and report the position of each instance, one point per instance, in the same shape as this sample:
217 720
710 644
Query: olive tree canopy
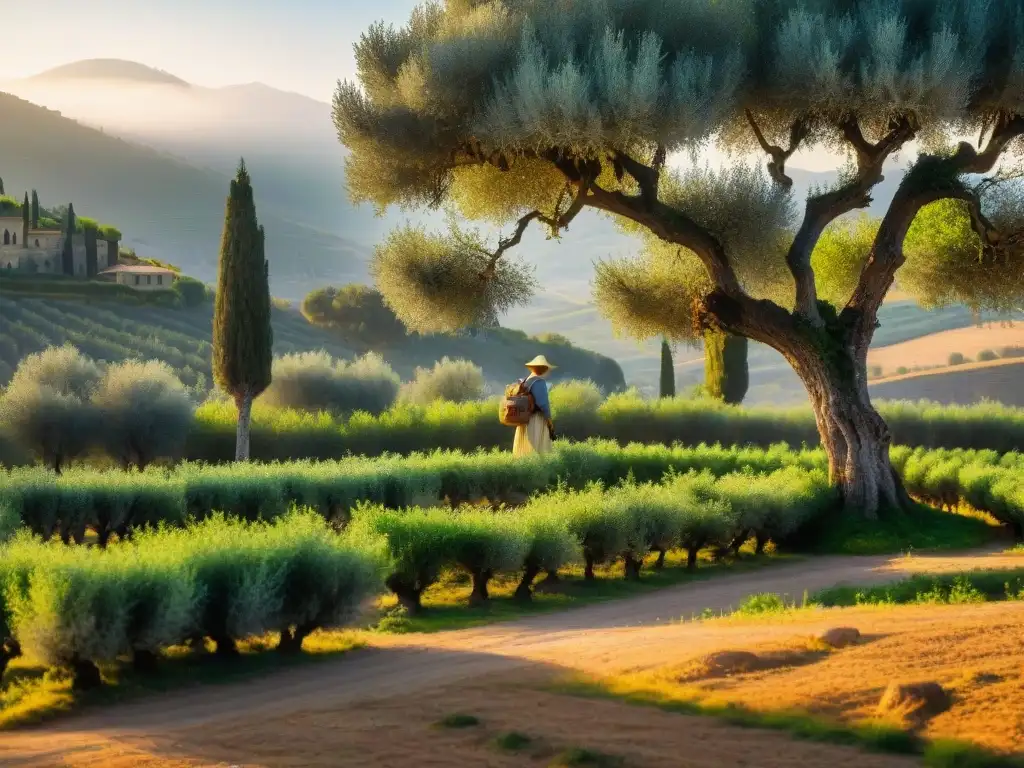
520 112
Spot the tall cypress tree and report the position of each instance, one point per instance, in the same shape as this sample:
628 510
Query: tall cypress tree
25 218
68 253
726 375
35 210
2 186
242 337
668 371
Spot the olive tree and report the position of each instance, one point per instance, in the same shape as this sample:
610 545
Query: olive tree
145 411
46 406
526 112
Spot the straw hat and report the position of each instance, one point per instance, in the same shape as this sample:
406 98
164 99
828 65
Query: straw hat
540 362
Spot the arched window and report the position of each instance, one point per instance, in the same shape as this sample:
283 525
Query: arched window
46 265
15 238
37 242
7 237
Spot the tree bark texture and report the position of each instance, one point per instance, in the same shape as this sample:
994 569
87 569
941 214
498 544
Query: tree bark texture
244 403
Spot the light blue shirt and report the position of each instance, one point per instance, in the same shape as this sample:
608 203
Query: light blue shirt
539 389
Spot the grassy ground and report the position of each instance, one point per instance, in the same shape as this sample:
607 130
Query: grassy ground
445 604
922 528
32 693
946 589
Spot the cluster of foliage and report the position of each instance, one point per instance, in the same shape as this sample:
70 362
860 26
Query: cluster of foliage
594 525
315 382
220 579
356 312
452 381
60 404
582 412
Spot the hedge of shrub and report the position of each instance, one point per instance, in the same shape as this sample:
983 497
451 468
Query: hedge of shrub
111 502
580 414
220 579
117 503
593 525
983 480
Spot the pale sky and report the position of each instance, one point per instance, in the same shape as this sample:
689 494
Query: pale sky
295 45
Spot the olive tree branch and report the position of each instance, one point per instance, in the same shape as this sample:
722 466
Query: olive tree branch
932 178
822 209
777 165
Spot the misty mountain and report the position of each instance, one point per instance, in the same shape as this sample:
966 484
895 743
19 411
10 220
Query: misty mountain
166 207
107 69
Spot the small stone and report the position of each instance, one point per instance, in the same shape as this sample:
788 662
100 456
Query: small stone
840 637
914 700
726 663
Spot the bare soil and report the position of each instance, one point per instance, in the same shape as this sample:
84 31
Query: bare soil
376 706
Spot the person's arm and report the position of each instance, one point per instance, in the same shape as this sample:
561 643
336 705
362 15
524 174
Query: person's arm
543 403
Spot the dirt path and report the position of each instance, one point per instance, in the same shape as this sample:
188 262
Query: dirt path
611 637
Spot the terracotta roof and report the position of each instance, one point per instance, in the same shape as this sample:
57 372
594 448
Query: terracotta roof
138 269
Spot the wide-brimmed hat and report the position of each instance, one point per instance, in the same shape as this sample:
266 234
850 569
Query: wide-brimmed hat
539 362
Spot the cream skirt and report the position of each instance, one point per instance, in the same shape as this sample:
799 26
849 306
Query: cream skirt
532 437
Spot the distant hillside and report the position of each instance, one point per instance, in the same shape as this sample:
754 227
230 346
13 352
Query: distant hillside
1001 381
114 331
165 207
108 69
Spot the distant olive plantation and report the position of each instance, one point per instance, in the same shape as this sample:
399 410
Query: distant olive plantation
180 336
114 332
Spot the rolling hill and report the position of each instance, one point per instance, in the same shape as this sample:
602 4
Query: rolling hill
166 207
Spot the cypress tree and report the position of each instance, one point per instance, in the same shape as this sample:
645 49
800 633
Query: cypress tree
737 373
2 186
726 375
68 253
25 217
668 371
35 210
242 337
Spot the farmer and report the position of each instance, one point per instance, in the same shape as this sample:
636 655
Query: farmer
536 435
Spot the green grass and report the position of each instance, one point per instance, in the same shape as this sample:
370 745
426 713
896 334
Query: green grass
873 736
947 589
32 693
458 720
585 758
513 741
922 528
445 603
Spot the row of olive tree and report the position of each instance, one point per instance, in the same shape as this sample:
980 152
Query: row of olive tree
314 381
61 405
536 111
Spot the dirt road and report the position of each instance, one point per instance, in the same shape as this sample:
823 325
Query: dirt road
611 637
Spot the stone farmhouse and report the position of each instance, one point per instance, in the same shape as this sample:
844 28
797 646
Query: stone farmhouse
40 251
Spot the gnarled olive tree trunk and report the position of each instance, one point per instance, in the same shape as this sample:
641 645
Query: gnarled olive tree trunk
831 361
853 434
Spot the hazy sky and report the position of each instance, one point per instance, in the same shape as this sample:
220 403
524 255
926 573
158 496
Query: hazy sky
296 45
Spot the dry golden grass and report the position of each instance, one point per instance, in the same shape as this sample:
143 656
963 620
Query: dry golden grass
934 349
976 654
